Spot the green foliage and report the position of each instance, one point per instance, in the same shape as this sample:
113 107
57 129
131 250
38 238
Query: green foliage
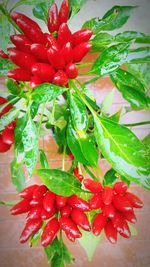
40 10
8 117
5 29
43 160
106 104
5 66
12 87
17 175
76 5
128 36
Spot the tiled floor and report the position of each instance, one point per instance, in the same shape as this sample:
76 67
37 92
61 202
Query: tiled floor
126 253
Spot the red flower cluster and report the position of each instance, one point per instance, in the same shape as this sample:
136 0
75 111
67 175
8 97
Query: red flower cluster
7 135
41 57
42 204
116 206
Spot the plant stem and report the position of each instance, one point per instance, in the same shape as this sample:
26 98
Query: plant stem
137 123
63 158
5 12
90 173
84 65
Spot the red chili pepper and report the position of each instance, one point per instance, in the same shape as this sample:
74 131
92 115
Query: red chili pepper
111 232
8 136
120 188
32 23
98 224
80 51
36 202
3 54
39 51
121 203
35 81
65 211
60 78
48 201
34 213
44 71
19 74
107 195
134 200
70 237
28 191
93 186
71 156
121 225
45 215
53 18
96 202
30 229
64 35
80 219
55 58
22 207
11 125
129 216
50 231
39 191
72 70
69 227
64 11
7 108
61 201
81 36
76 171
21 42
77 202
51 41
21 59
3 146
108 211
67 53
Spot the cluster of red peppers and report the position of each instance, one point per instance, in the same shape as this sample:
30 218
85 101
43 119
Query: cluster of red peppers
7 135
43 57
113 205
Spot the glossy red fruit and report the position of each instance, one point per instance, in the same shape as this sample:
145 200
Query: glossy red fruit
96 202
35 81
50 231
69 227
21 59
19 74
51 41
67 53
121 203
21 42
121 225
81 36
134 200
93 186
60 78
71 156
70 237
28 191
61 201
72 71
64 35
98 224
76 171
34 213
3 54
120 188
31 227
48 201
8 136
65 211
108 211
77 202
44 71
11 125
22 207
39 51
64 11
80 177
55 58
53 18
80 51
80 219
45 215
39 191
36 202
129 216
107 195
31 23
110 232
3 146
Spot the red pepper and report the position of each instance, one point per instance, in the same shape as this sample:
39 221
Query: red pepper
39 51
36 202
39 191
64 35
77 202
21 42
3 146
35 81
111 232
48 201
11 125
22 207
93 186
120 188
51 41
76 171
121 203
65 211
80 219
3 54
21 59
121 225
72 70
64 11
69 227
34 213
44 71
50 231
70 237
96 202
67 53
134 200
30 229
45 215
80 177
80 51
19 74
98 224
60 78
53 18
129 216
7 108
28 191
61 201
55 58
8 136
81 36
32 23
108 211
107 195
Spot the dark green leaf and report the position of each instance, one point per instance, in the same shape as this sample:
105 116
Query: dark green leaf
30 143
28 2
57 261
34 109
76 5
5 66
8 203
43 160
17 175
139 55
60 182
110 178
60 136
4 32
8 117
40 10
21 123
12 87
123 150
128 36
101 40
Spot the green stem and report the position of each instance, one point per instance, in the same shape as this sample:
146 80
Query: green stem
137 123
41 118
63 158
90 173
84 65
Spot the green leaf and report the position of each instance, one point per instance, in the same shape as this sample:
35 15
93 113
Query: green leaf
57 261
21 123
8 117
12 87
17 175
110 178
89 242
128 36
132 229
76 5
4 32
101 40
79 114
110 59
60 182
30 143
146 142
36 237
8 203
139 55
107 103
43 160
123 150
28 2
5 66
40 10
131 89
116 116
